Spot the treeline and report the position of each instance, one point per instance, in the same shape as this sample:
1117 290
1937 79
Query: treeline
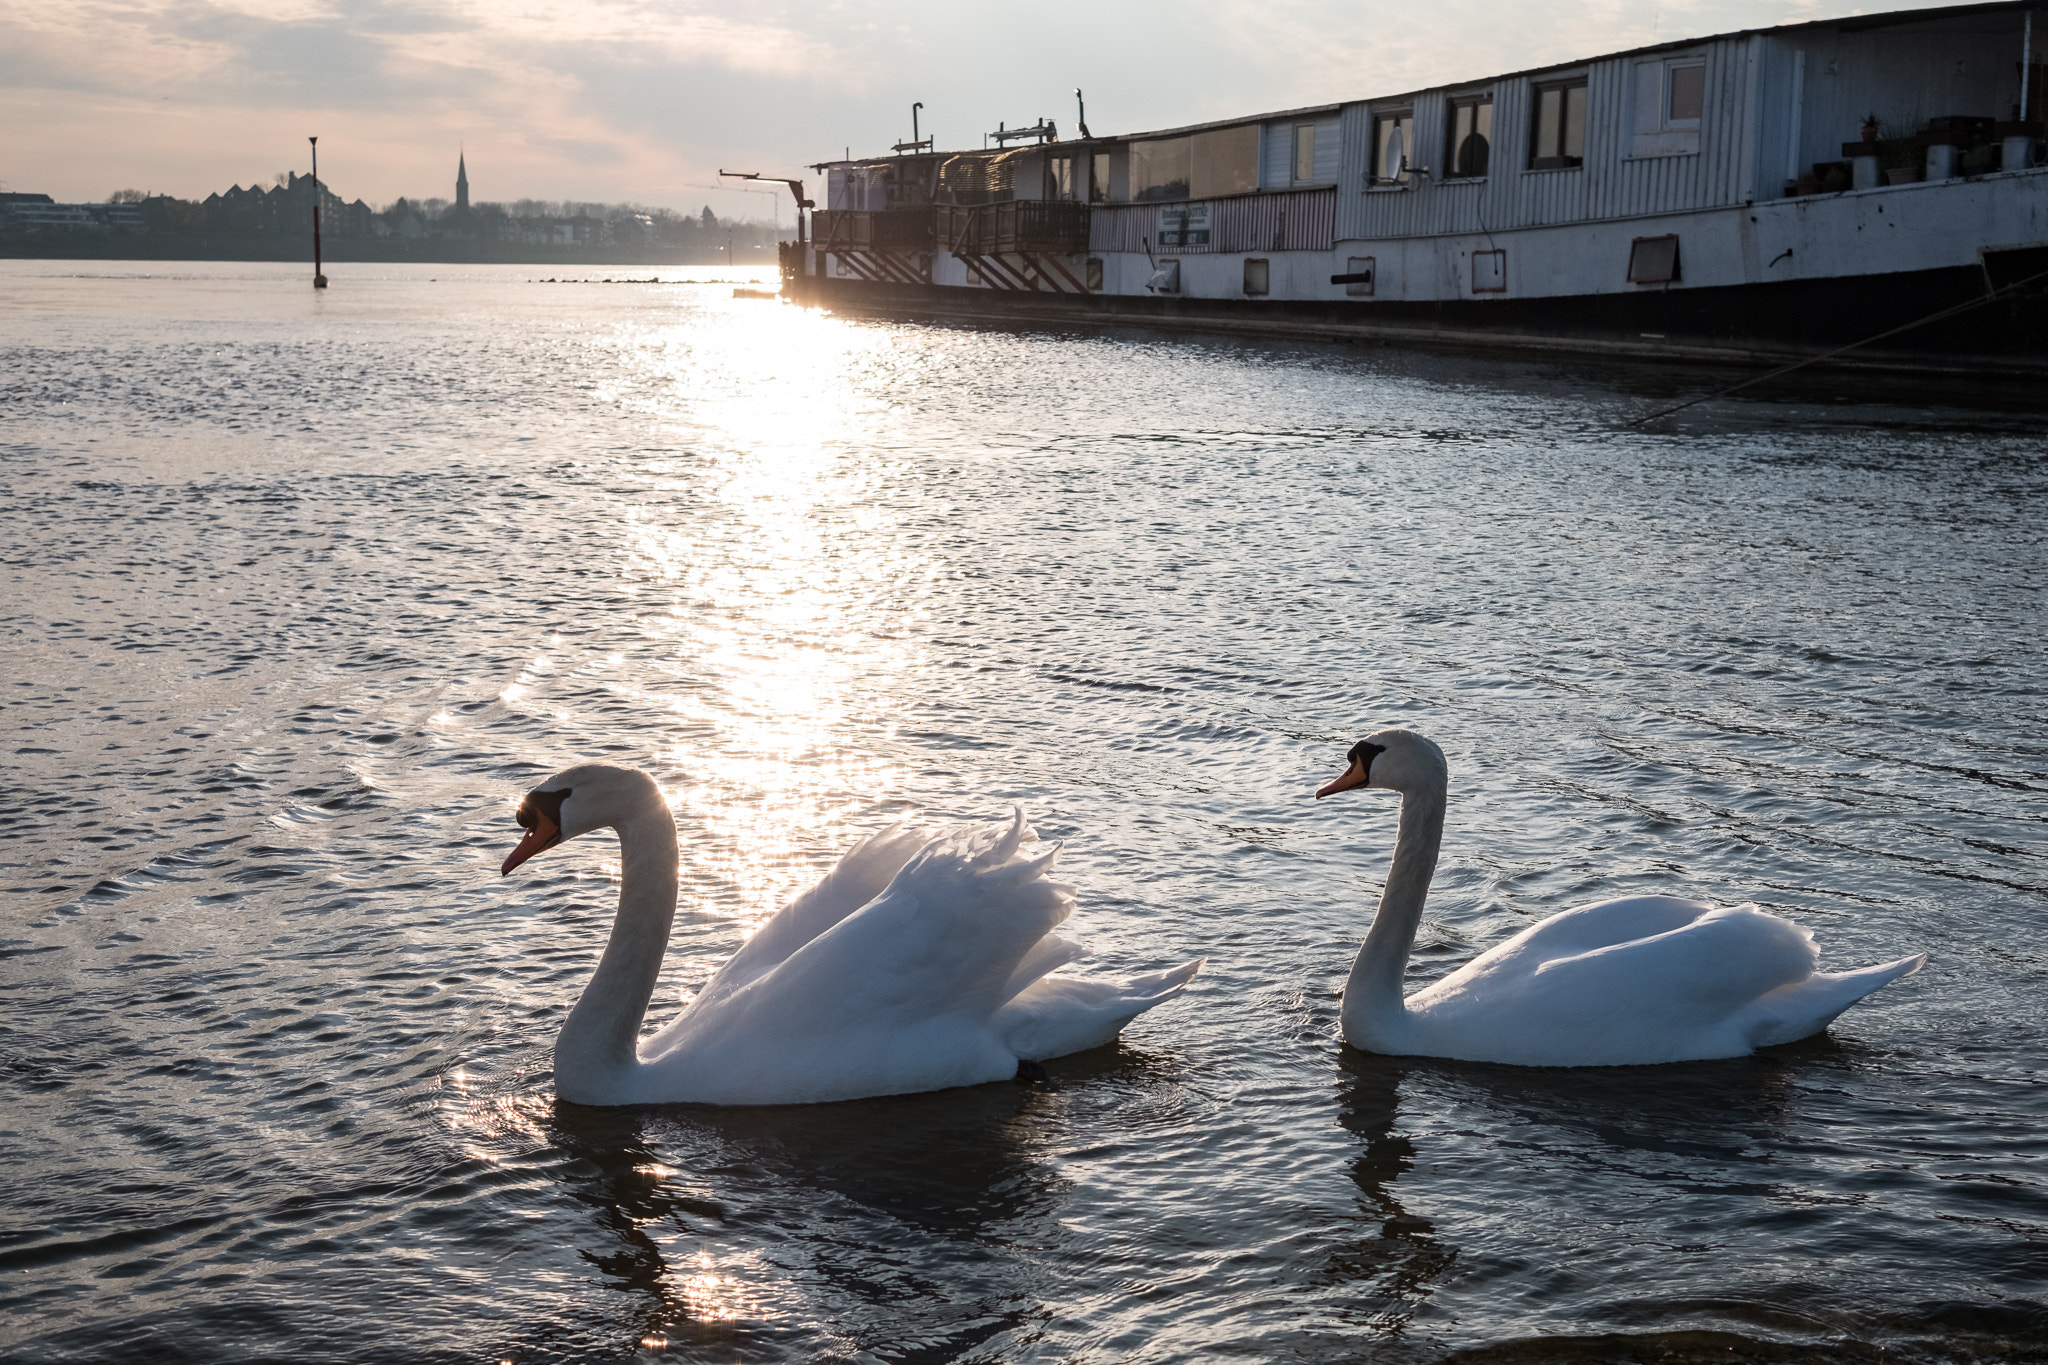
276 223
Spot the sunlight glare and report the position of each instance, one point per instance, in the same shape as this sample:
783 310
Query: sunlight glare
782 607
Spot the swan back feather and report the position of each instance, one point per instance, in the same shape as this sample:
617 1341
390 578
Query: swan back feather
860 875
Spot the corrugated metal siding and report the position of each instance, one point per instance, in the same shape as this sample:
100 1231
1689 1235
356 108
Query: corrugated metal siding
1354 122
1300 221
1775 154
1305 221
1622 185
1122 228
1610 184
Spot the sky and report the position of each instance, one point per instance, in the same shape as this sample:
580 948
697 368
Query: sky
628 101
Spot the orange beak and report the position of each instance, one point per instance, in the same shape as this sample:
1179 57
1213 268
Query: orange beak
544 834
1354 776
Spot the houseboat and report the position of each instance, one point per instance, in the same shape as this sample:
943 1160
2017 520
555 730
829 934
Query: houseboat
1874 183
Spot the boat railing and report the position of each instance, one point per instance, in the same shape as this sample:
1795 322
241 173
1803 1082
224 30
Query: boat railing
906 229
1017 225
842 229
1051 225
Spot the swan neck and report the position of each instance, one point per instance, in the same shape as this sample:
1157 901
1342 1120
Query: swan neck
599 1043
1373 994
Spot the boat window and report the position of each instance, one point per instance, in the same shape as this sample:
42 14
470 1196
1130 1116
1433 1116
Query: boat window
1653 260
1098 178
1471 135
1560 125
1304 152
1059 177
1094 275
1159 170
1224 161
1686 87
1670 99
1393 141
1258 276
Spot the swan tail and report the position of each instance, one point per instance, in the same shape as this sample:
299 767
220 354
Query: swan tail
1056 1016
1049 954
1808 1007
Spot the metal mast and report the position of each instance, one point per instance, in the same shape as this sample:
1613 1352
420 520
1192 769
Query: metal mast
319 280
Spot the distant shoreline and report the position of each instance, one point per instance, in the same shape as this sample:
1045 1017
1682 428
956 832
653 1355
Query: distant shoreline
178 246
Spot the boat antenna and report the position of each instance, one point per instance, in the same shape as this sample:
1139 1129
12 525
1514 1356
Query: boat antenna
1082 106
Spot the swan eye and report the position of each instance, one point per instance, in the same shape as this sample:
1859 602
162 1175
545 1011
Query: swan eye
1364 752
540 803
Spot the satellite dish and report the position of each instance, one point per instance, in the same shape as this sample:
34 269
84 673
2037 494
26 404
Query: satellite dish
1394 158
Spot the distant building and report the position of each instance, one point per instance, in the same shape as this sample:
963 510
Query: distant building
40 213
461 184
285 211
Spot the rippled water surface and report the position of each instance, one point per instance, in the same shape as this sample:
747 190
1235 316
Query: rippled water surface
300 592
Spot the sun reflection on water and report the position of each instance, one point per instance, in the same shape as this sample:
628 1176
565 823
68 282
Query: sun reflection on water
712 1297
783 611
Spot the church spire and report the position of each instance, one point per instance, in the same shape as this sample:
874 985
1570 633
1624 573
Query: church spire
461 182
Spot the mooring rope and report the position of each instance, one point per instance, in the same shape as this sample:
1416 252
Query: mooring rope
1965 306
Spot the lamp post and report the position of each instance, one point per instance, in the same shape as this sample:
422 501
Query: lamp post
319 280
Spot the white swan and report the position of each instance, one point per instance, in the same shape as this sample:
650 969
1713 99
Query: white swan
1623 982
916 964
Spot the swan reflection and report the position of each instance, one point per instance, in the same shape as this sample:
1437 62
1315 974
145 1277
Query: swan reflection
731 1227
1404 1259
1588 1133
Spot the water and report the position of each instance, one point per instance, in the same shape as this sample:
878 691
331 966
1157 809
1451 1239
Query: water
302 591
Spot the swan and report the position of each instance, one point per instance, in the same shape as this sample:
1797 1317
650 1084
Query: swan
1627 982
918 963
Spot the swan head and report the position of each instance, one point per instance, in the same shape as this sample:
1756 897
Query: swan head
1393 760
576 801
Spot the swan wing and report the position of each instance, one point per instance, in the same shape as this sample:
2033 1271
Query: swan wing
1602 924
861 874
1682 994
1715 964
948 934
897 996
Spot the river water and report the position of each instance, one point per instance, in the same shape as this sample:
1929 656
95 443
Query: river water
301 591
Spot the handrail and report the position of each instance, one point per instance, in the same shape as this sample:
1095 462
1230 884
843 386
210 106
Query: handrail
1016 225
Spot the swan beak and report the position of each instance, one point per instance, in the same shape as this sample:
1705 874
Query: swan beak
1357 775
544 834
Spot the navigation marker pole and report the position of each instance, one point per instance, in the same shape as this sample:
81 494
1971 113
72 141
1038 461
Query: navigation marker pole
319 280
